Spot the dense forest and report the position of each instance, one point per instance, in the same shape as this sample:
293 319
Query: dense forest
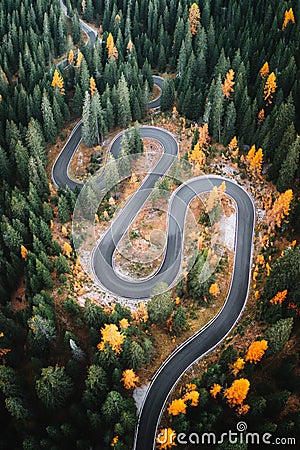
233 66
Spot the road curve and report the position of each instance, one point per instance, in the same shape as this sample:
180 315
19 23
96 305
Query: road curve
214 332
158 81
206 339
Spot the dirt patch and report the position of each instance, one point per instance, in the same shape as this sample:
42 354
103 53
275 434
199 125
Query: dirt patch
18 300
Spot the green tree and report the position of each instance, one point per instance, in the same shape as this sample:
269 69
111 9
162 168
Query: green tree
112 407
54 386
49 125
167 95
17 408
86 120
94 315
289 166
124 112
112 175
96 380
160 305
136 356
278 334
179 320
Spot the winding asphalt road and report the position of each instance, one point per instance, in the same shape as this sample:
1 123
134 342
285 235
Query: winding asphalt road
214 332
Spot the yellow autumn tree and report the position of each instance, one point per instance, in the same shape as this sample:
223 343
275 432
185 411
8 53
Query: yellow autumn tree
237 392
130 46
197 156
193 396
177 407
4 76
114 441
71 57
67 249
265 70
213 199
255 159
204 138
58 82
280 209
79 59
261 116
270 88
233 147
111 48
124 323
243 409
64 231
288 17
112 336
215 390
194 18
228 84
214 289
129 379
3 351
279 297
237 366
256 351
24 252
93 87
166 439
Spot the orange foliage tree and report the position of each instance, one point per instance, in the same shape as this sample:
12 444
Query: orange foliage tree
93 87
177 407
279 297
58 82
193 396
233 147
71 57
255 159
243 409
215 390
67 249
24 252
270 88
3 351
197 156
114 441
129 379
261 116
194 18
214 289
228 84
237 392
112 336
237 366
265 70
111 48
288 17
79 59
166 439
204 138
256 351
280 209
